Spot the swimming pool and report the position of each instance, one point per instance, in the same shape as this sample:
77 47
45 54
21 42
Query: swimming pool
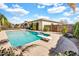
20 38
38 33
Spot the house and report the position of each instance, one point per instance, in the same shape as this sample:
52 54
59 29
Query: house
47 25
43 24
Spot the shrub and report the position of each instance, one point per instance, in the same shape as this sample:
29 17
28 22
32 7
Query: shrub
0 30
76 30
6 52
67 53
46 28
64 29
34 26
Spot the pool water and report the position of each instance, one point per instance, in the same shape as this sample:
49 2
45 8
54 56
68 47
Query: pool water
20 38
36 33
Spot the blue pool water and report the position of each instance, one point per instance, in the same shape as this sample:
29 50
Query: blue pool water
36 33
19 38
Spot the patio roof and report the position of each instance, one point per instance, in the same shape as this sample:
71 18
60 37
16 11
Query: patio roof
43 19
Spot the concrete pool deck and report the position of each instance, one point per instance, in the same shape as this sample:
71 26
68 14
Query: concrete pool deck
3 35
42 50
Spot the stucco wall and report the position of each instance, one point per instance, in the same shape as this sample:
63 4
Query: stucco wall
40 25
45 23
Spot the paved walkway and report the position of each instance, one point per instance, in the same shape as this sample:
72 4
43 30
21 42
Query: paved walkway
44 47
3 35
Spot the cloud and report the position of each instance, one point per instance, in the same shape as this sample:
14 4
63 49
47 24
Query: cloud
45 4
68 13
71 13
76 19
16 20
56 9
39 6
46 17
77 9
17 9
16 6
57 4
66 20
51 4
3 6
40 16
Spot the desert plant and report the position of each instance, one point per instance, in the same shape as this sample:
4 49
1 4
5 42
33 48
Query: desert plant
46 28
6 52
76 30
67 53
0 30
64 29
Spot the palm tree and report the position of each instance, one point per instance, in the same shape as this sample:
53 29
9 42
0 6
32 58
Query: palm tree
73 6
4 22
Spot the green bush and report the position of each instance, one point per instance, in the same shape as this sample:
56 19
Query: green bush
0 30
34 26
76 30
64 29
46 28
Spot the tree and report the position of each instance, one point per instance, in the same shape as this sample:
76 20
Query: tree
76 30
4 22
72 5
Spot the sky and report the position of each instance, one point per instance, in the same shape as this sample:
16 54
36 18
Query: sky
19 12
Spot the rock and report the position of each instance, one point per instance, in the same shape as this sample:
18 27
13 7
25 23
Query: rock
64 44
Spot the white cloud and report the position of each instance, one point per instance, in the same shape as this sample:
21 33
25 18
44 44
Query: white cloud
40 16
56 9
57 4
43 5
17 9
46 4
46 17
77 11
16 6
76 19
49 4
3 6
66 20
16 20
68 13
39 6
